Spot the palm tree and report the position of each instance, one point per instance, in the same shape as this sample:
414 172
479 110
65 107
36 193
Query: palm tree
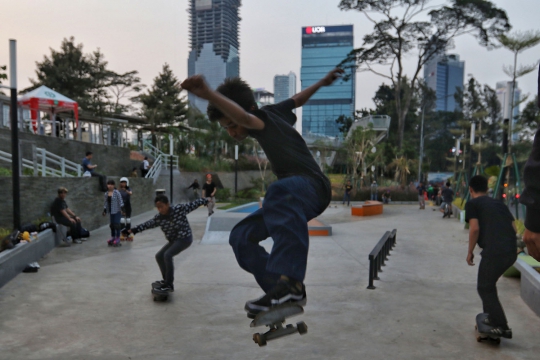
402 166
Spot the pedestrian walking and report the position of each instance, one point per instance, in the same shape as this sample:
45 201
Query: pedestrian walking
209 191
421 190
195 186
347 193
374 188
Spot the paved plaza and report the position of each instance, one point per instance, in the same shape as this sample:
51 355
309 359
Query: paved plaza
91 301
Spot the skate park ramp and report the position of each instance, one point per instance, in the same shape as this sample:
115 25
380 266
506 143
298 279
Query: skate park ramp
221 223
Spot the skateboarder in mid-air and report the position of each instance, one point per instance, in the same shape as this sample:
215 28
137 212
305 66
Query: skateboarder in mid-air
492 226
173 222
301 192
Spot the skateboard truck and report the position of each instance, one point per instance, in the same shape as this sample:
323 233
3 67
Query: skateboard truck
275 320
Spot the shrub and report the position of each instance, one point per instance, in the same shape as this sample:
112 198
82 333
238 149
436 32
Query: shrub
459 203
5 171
223 194
252 194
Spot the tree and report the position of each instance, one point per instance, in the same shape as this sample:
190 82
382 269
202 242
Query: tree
162 104
530 119
399 34
85 78
359 146
402 167
517 43
3 75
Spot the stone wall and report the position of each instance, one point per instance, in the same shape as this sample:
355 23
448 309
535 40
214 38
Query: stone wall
223 179
84 198
111 160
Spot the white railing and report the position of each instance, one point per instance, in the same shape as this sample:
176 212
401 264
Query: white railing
155 170
39 164
43 157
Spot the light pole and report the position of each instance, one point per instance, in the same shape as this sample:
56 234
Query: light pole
235 169
15 165
421 146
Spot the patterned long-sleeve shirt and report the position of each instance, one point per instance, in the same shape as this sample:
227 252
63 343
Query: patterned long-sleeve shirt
116 202
175 224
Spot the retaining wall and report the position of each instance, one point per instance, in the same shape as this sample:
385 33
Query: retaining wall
84 198
111 160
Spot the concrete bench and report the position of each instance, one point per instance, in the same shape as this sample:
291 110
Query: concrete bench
13 261
318 228
530 285
369 208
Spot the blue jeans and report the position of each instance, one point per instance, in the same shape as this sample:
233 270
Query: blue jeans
347 197
288 205
373 196
114 224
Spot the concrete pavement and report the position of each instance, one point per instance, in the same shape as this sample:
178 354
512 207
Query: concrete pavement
90 301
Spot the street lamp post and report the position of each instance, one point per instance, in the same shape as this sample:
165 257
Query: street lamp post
235 169
421 146
15 165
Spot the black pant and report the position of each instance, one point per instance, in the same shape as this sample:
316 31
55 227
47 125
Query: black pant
164 257
102 180
490 270
74 228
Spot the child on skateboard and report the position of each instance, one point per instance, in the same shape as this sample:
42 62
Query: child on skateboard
126 193
301 192
114 205
174 223
491 226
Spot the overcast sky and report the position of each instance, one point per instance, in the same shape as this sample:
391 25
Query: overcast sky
144 34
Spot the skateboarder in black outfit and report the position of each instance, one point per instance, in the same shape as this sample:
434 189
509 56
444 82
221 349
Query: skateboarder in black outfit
301 193
174 223
491 225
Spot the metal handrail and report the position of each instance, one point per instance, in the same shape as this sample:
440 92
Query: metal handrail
379 255
40 166
155 170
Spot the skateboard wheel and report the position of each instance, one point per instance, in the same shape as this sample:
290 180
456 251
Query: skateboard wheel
302 327
259 339
155 298
479 338
497 341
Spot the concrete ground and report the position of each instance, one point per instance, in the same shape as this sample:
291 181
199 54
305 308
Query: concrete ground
90 301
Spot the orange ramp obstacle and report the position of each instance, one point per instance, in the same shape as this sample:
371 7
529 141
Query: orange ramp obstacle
369 208
318 228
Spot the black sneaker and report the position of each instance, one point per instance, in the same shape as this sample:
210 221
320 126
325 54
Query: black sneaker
283 292
165 289
158 284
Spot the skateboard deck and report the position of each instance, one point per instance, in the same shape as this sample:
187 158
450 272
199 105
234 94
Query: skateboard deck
482 330
275 320
159 296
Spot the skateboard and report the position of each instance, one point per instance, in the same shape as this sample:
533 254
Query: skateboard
275 320
482 330
159 296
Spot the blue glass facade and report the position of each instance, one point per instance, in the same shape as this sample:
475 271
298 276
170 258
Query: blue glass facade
445 74
324 47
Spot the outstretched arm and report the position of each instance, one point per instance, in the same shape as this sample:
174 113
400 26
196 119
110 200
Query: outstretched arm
303 96
198 86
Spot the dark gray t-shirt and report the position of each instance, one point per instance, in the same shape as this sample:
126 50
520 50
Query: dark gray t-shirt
285 148
497 235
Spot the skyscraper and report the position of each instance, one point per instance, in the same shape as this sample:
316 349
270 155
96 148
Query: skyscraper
444 73
214 43
323 48
284 87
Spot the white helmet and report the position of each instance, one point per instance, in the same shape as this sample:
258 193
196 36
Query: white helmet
125 179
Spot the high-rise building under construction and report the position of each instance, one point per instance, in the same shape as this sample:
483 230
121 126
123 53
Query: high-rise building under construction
214 43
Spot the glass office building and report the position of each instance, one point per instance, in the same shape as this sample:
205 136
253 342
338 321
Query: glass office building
445 74
284 87
214 43
323 48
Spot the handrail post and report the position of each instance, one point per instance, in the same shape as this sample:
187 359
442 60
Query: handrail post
43 163
63 166
371 273
34 159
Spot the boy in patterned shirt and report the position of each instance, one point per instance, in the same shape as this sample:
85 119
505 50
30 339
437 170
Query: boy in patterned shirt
174 223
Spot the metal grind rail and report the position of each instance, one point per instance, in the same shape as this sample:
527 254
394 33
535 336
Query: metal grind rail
379 255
